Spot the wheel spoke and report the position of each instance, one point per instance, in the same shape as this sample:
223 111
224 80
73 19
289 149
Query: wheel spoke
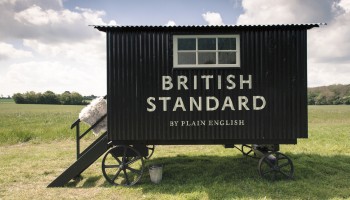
132 174
116 157
267 161
116 175
118 160
126 177
150 148
124 154
284 174
284 164
134 170
274 175
133 160
268 171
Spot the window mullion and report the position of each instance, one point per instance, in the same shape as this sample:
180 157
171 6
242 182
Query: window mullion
217 50
196 50
186 56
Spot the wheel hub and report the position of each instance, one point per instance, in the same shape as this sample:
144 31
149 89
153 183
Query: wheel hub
122 166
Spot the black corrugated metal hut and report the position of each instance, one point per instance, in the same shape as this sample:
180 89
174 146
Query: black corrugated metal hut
207 85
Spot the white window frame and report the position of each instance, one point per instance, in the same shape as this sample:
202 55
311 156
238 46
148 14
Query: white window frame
176 51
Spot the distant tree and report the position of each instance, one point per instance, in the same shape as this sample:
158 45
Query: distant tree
65 98
346 100
76 98
311 98
50 97
90 97
329 95
18 98
31 97
337 100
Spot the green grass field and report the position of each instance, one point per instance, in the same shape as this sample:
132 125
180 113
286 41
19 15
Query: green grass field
29 122
37 144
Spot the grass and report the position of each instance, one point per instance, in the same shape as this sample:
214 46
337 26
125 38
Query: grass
322 164
33 122
6 101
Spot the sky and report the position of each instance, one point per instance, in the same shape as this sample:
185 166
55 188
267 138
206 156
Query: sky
48 45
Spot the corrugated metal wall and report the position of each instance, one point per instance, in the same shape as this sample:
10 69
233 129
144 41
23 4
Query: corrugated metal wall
138 58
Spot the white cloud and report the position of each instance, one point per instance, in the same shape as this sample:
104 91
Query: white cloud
328 46
41 76
345 4
213 18
91 52
170 23
62 51
320 74
12 28
22 4
7 51
47 24
331 43
286 11
112 23
34 15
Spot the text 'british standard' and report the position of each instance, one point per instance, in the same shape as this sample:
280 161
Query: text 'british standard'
206 103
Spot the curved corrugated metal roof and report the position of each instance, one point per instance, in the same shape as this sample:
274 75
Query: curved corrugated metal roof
109 27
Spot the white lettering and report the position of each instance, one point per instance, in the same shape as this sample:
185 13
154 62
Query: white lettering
149 101
207 83
255 98
166 83
242 101
164 99
182 80
197 104
216 103
228 103
229 79
179 104
242 81
195 82
219 82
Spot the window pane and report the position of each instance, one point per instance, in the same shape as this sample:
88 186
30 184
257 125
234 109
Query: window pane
186 58
186 44
206 44
207 58
227 43
227 58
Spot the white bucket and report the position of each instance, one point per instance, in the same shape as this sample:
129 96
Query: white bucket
156 173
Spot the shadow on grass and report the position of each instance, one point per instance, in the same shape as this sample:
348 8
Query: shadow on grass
319 177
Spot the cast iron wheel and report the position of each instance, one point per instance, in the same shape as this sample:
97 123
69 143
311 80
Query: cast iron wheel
247 150
276 166
150 151
122 165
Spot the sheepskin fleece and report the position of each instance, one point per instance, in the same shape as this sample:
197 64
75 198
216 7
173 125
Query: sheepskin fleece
93 112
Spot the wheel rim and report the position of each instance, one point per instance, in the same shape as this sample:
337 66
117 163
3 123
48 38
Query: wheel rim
247 150
122 165
276 166
151 149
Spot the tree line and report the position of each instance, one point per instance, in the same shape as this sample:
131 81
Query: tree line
324 95
329 95
49 97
